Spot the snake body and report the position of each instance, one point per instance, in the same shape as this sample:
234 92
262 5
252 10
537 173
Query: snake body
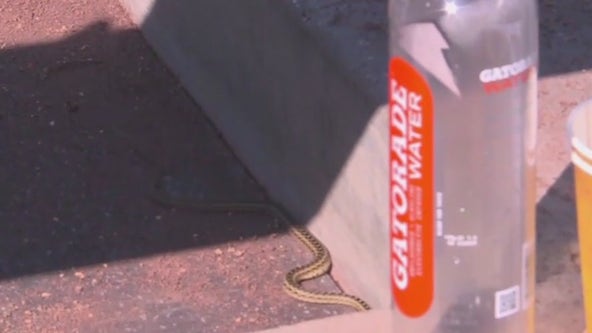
320 265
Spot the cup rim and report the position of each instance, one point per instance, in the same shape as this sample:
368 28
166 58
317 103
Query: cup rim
579 162
576 143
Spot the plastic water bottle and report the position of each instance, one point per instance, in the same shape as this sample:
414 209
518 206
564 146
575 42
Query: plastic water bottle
462 99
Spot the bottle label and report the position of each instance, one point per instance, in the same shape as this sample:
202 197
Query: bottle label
412 189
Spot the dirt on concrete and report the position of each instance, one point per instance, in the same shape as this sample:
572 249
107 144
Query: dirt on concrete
90 122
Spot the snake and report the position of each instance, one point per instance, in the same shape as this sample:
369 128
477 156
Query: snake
292 284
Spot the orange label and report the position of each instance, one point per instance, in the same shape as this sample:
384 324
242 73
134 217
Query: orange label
411 188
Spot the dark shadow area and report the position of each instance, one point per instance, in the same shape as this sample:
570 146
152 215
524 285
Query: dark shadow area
565 36
89 124
556 227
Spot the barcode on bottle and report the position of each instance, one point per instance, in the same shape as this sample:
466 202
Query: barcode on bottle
507 302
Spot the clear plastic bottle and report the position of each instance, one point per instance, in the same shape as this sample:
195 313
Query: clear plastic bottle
462 90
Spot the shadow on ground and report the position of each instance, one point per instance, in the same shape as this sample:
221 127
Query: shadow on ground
88 127
566 36
90 123
557 228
